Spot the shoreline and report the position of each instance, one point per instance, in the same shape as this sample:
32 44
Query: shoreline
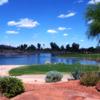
32 78
4 69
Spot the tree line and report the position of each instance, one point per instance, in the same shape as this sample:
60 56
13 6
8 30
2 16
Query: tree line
75 47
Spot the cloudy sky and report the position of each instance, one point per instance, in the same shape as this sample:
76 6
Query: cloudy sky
44 21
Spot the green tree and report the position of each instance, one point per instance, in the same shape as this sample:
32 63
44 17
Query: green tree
54 46
31 48
62 48
68 48
75 47
93 19
38 46
22 47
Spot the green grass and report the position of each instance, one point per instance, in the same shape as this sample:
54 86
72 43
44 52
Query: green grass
88 56
42 69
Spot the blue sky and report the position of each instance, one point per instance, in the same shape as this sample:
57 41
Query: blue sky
44 21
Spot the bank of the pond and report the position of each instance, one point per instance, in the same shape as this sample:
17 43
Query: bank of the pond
87 56
42 69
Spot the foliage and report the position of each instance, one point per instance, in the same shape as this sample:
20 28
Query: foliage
53 76
10 86
62 48
68 48
22 47
93 17
76 74
80 55
54 46
38 46
31 48
90 79
75 47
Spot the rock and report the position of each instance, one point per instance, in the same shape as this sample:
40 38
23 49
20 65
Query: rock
47 62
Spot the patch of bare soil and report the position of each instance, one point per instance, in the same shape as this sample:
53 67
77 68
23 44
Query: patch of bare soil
71 90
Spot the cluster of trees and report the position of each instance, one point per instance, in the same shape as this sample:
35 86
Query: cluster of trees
53 48
74 48
25 47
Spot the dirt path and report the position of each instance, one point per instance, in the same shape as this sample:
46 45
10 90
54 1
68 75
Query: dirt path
4 69
40 78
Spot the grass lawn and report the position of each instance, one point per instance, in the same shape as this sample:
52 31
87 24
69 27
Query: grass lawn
42 69
88 56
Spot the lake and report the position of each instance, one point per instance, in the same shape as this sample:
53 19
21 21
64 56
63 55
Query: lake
42 58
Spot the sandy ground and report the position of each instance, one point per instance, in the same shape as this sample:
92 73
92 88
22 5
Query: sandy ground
4 69
40 78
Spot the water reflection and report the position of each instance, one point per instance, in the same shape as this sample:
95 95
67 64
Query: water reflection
42 59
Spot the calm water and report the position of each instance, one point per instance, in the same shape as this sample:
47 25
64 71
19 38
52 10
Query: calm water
41 59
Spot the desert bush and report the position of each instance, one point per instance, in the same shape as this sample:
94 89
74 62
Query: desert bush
76 75
89 79
53 76
10 86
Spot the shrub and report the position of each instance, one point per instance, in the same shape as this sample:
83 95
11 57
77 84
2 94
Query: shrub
53 76
10 86
76 75
89 79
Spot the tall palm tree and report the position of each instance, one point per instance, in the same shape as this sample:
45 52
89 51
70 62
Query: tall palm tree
93 19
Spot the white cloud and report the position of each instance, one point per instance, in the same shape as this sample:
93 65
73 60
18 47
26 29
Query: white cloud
89 22
24 23
70 14
92 1
65 34
12 23
52 31
12 32
64 28
61 28
3 2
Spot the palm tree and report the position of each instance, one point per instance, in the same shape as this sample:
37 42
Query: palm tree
93 19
